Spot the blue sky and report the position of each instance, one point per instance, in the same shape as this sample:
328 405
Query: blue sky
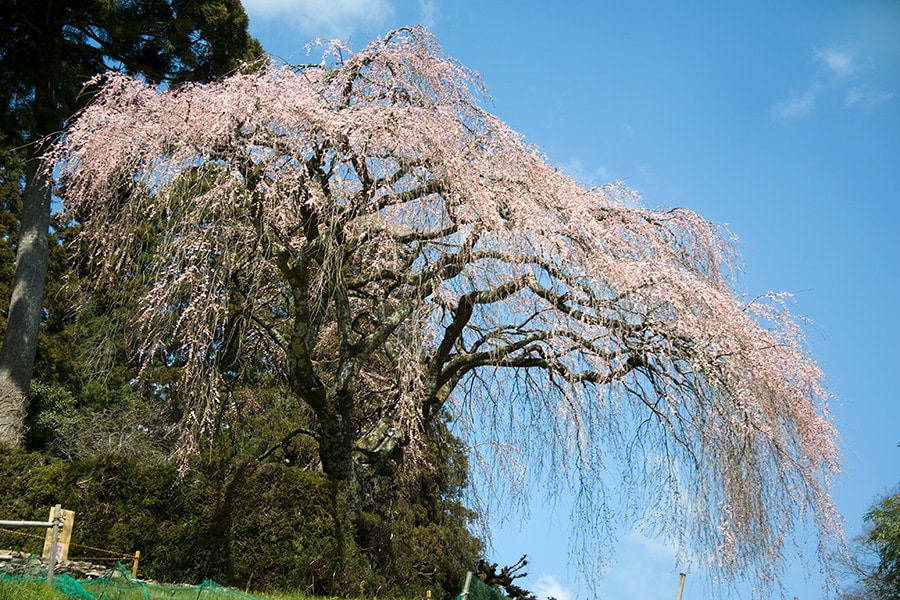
779 119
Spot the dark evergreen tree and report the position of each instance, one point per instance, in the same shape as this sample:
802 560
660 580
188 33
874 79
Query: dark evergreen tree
414 525
12 169
49 50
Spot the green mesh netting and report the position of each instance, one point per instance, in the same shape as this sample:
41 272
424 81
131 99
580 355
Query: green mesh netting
119 584
61 583
475 589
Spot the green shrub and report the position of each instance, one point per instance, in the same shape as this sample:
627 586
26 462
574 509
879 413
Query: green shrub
247 525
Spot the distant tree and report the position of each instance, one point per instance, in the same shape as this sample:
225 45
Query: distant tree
364 231
876 561
48 51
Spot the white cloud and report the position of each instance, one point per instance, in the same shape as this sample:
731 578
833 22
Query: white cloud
868 97
325 18
840 72
797 104
839 62
547 586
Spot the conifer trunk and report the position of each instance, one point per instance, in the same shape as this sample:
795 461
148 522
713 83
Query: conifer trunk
21 336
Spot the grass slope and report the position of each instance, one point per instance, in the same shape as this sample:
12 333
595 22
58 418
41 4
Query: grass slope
28 591
14 590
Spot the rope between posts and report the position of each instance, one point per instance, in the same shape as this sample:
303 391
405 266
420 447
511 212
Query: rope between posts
14 532
117 555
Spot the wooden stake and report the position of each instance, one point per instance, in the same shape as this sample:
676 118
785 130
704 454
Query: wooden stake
137 557
681 577
64 538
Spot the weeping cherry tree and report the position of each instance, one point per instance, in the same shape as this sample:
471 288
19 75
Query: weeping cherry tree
363 229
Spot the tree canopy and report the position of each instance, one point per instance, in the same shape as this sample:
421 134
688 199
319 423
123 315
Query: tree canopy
875 563
50 48
363 230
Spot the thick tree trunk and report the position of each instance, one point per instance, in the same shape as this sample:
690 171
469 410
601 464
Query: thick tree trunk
26 302
336 437
336 434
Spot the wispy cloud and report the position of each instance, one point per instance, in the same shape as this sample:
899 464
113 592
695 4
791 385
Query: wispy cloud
326 18
798 104
868 97
589 176
430 12
841 71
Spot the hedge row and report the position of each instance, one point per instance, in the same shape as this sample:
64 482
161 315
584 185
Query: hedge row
256 525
